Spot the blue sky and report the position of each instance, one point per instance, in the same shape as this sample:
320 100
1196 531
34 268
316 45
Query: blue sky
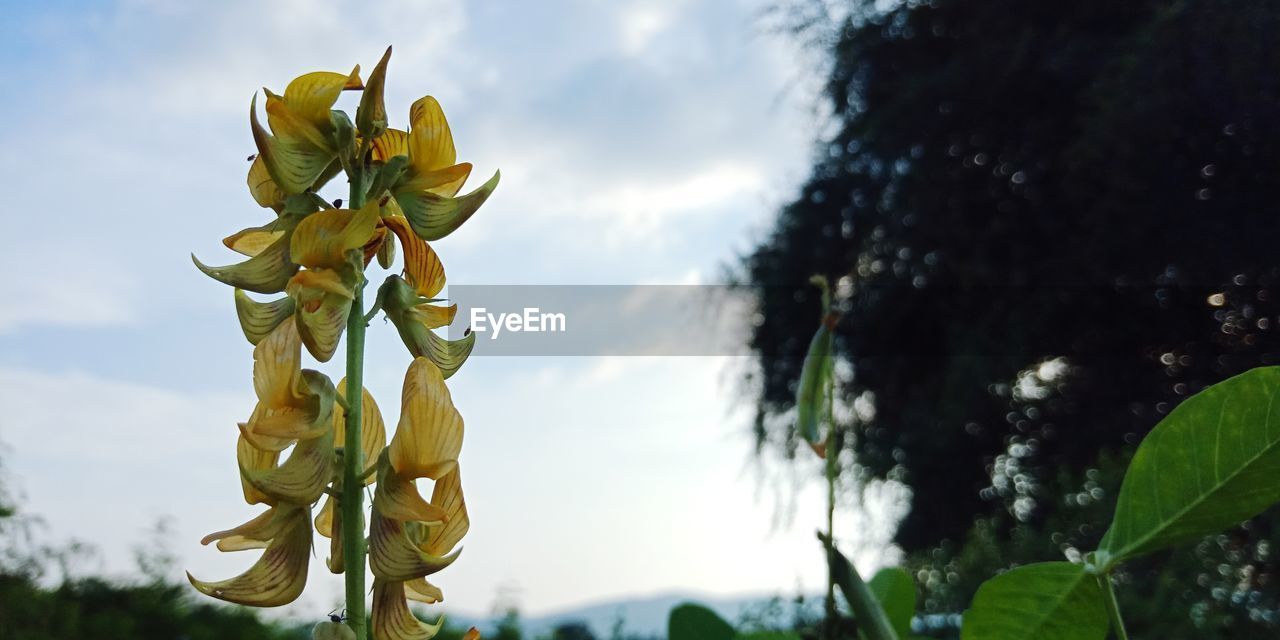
638 142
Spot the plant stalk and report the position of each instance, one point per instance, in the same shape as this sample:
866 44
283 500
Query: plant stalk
1113 608
829 629
352 503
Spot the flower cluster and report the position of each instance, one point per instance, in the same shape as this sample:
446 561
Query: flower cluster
404 193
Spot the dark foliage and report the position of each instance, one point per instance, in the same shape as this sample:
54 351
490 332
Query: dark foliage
1013 182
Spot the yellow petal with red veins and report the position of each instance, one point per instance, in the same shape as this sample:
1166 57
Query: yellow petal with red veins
392 556
430 141
256 533
292 127
293 165
392 143
447 496
301 478
422 591
434 216
373 430
428 437
444 182
322 302
312 95
267 272
391 617
259 319
323 239
422 267
397 497
264 190
278 577
255 459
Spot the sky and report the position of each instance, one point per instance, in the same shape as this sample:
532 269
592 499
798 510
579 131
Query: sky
639 143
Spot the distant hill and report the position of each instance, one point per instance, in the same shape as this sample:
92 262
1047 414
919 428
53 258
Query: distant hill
647 616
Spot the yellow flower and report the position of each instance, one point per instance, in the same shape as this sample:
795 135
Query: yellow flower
411 538
302 147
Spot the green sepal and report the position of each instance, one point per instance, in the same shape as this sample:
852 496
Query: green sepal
387 175
344 137
258 319
387 252
434 216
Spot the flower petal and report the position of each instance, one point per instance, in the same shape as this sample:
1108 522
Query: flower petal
434 216
255 459
259 319
264 190
392 619
256 533
301 478
392 143
312 95
294 165
323 239
422 267
373 431
447 496
392 556
397 497
267 272
323 302
428 437
254 240
420 590
430 141
278 577
442 182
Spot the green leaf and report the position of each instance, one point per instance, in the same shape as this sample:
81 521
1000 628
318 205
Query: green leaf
695 622
896 591
1213 462
1045 601
435 216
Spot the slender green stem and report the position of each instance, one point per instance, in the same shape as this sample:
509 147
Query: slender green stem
352 504
873 622
1113 608
829 629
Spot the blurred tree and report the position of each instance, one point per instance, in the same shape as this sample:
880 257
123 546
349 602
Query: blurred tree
572 631
1058 220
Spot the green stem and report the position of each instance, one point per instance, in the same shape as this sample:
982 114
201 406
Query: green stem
873 622
352 504
829 629
1113 608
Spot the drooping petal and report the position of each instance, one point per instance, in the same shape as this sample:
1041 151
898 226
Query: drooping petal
254 240
444 182
428 437
397 497
373 430
323 302
422 267
294 166
447 496
259 319
267 272
434 216
322 239
277 368
430 141
311 418
264 190
278 577
249 457
422 591
329 524
302 477
414 322
256 533
391 617
392 556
